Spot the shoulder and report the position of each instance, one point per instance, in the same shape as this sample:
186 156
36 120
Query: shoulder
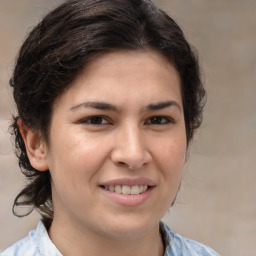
177 245
25 246
37 243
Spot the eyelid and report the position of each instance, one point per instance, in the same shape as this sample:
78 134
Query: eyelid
164 120
168 120
89 118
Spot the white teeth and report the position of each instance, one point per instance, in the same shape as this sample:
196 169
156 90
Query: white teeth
118 189
112 188
127 190
135 190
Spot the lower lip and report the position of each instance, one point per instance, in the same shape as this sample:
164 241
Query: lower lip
128 200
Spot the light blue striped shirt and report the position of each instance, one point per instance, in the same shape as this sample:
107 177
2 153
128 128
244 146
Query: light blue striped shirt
38 243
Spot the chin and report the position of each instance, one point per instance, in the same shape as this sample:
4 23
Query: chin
132 229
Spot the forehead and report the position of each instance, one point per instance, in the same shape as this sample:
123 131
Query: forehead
122 76
127 62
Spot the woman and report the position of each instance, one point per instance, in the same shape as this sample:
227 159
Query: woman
109 96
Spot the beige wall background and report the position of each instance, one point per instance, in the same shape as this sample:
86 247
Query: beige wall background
217 201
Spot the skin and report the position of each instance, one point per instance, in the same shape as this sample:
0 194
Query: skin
133 136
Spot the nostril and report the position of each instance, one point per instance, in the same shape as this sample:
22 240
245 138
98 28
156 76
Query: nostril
130 159
126 165
122 164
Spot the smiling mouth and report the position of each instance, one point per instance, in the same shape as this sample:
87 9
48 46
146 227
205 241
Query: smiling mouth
126 189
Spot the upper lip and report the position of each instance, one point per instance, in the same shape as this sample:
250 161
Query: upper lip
129 182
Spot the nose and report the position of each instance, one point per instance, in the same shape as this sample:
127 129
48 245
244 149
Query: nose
130 149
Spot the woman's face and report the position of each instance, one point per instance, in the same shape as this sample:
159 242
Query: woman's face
117 145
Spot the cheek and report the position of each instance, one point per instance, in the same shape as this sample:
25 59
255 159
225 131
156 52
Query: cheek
171 153
170 161
77 157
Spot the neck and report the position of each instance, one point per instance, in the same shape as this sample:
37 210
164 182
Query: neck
85 242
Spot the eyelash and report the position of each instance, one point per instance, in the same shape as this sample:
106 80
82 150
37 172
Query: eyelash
167 120
90 120
154 120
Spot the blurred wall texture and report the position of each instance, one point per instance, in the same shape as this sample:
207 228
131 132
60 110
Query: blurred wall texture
217 201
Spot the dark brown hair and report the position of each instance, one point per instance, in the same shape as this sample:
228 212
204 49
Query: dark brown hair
63 43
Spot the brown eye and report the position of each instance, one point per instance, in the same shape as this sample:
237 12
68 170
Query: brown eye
95 120
158 120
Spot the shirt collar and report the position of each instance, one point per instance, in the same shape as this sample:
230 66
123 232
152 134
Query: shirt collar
44 245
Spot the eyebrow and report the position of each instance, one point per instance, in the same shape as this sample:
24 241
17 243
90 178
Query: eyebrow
97 105
111 107
162 105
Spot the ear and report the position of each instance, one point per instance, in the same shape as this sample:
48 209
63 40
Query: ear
35 147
